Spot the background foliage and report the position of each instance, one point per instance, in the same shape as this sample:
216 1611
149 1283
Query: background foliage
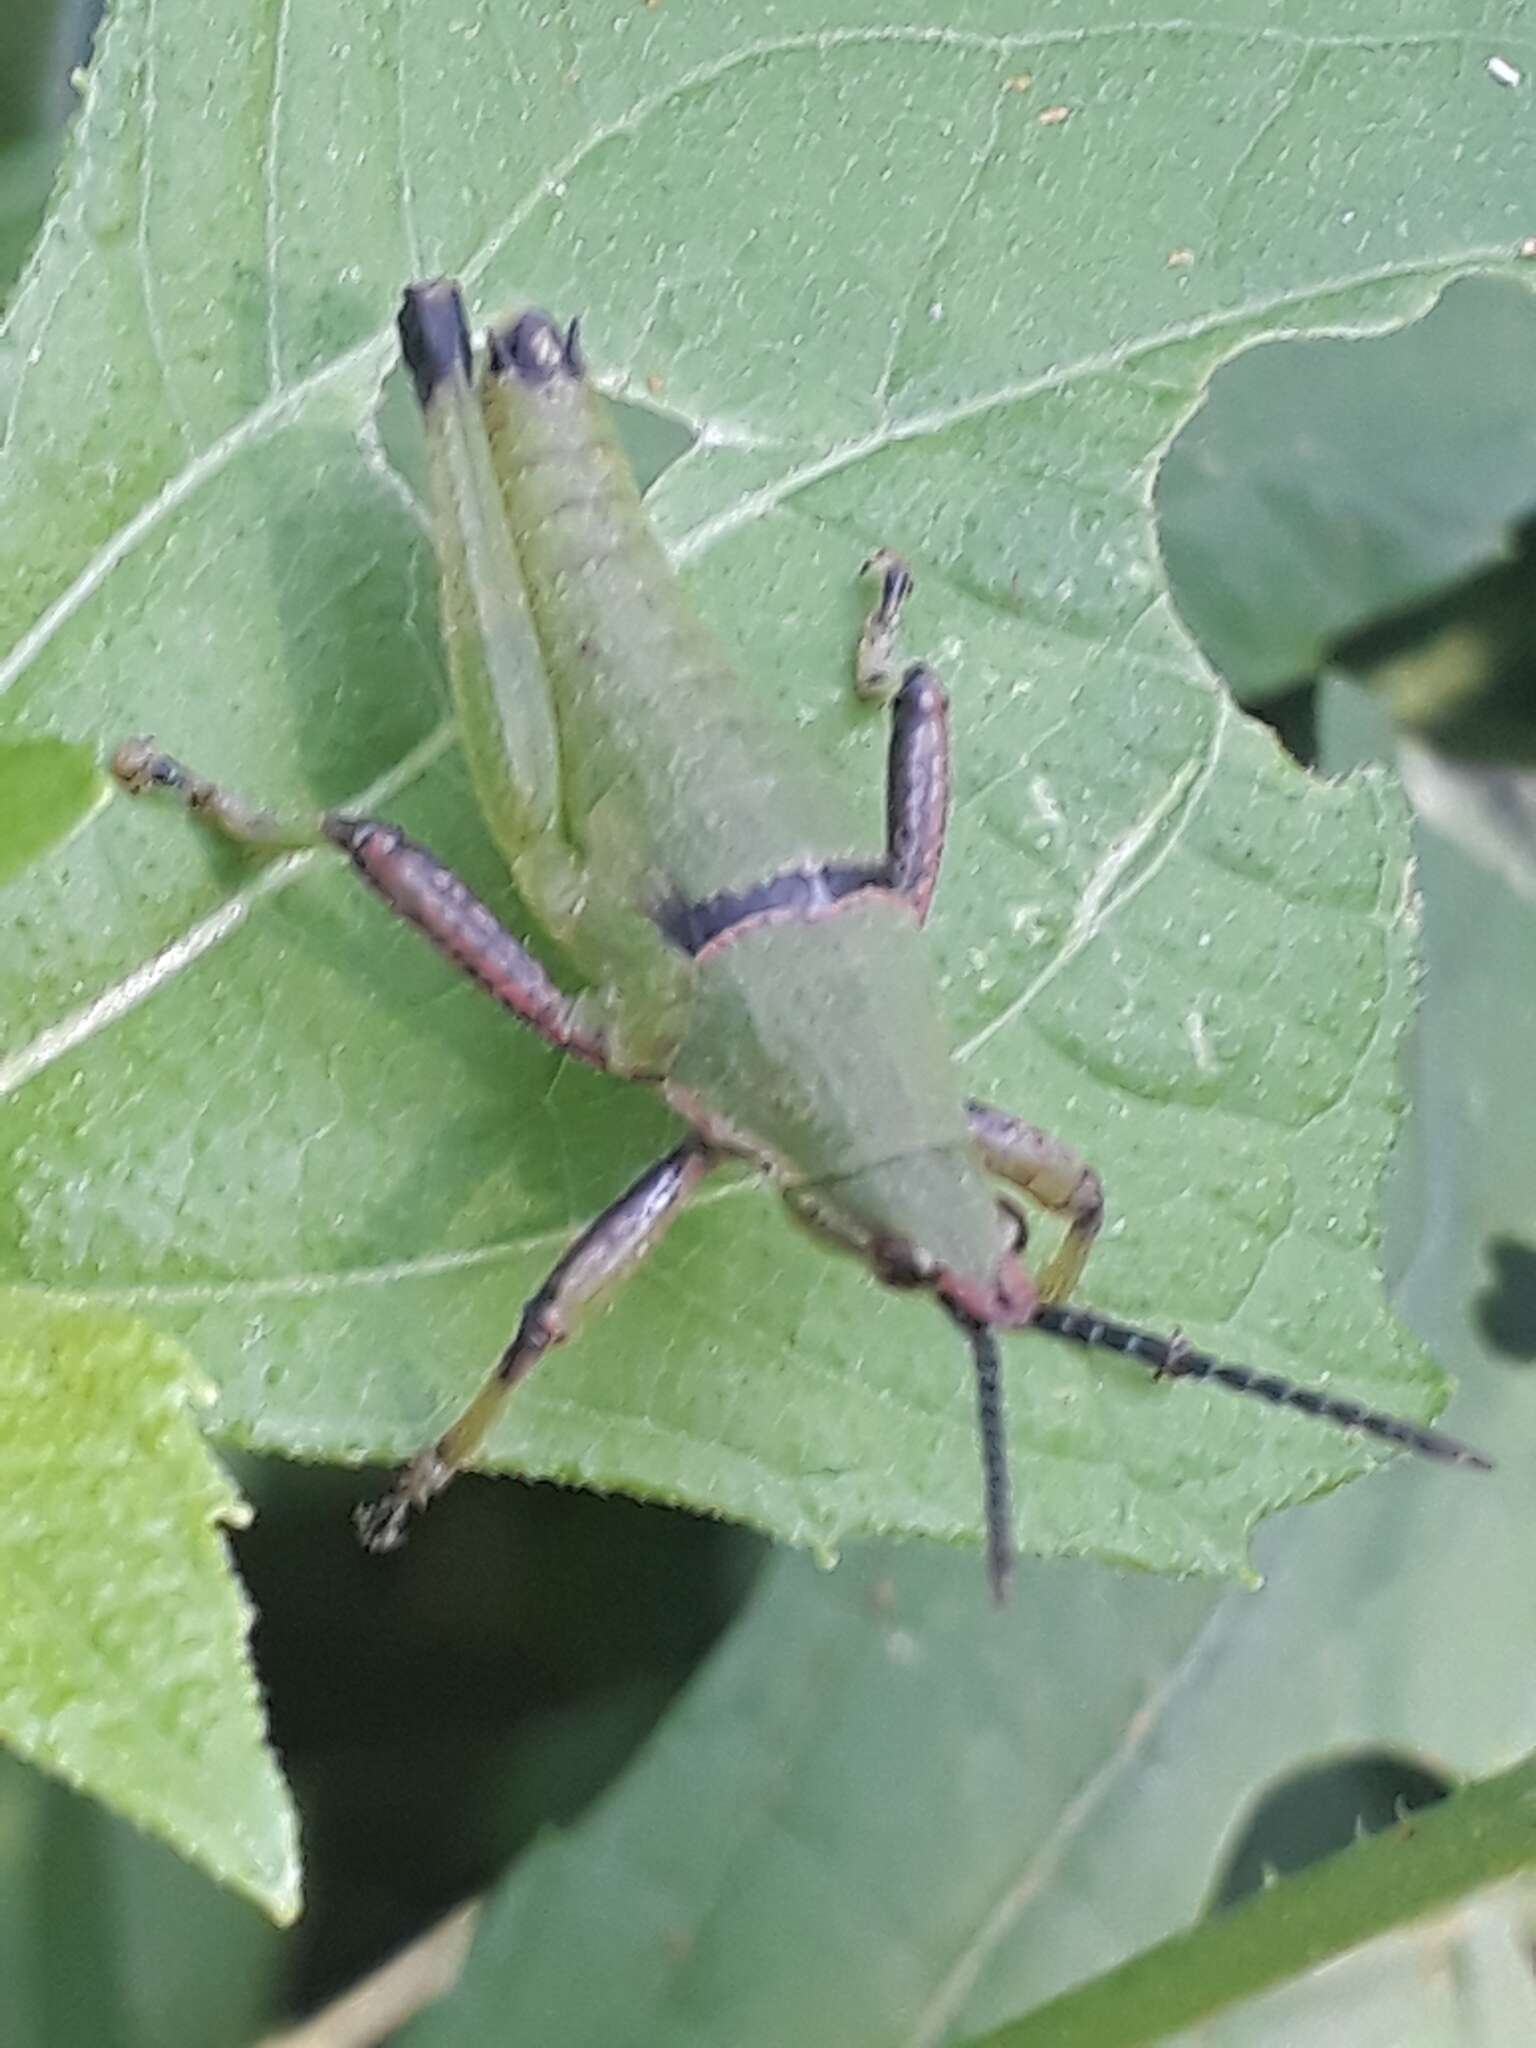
877 281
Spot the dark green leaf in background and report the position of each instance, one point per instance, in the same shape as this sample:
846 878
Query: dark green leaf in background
26 172
1330 485
106 1937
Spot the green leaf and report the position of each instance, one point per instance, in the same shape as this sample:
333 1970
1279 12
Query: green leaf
893 305
1460 1980
1483 1833
814 1844
1327 485
35 47
48 789
883 1815
105 1936
122 1637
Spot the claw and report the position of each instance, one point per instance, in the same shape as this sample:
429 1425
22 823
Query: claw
383 1525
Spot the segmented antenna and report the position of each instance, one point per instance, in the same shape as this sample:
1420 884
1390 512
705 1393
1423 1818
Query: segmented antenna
997 1493
1172 1358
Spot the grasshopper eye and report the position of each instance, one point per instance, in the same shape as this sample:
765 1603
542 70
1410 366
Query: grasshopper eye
533 349
901 1265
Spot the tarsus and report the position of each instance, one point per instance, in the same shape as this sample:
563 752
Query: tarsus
1172 1358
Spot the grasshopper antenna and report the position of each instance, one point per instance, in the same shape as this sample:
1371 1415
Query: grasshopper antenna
1173 1358
997 1491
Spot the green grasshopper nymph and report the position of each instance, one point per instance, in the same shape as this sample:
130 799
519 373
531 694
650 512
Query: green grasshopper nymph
745 953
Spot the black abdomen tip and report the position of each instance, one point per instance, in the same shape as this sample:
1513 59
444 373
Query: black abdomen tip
434 334
534 350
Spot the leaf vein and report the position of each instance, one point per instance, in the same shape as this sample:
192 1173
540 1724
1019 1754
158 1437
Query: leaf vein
696 541
1100 900
140 982
143 262
272 233
950 1993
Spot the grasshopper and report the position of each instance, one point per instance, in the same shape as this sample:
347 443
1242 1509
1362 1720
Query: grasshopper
745 954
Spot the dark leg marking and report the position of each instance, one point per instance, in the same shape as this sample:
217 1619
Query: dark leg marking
1174 1358
798 894
917 788
916 802
533 349
1052 1174
917 766
623 1235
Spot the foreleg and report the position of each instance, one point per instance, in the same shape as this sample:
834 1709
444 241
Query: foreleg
618 1240
1051 1174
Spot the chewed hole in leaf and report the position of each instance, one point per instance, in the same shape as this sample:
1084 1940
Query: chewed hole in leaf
1325 487
1321 1809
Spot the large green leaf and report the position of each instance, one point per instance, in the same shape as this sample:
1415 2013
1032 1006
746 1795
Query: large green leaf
122 1637
881 1817
884 1815
893 303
